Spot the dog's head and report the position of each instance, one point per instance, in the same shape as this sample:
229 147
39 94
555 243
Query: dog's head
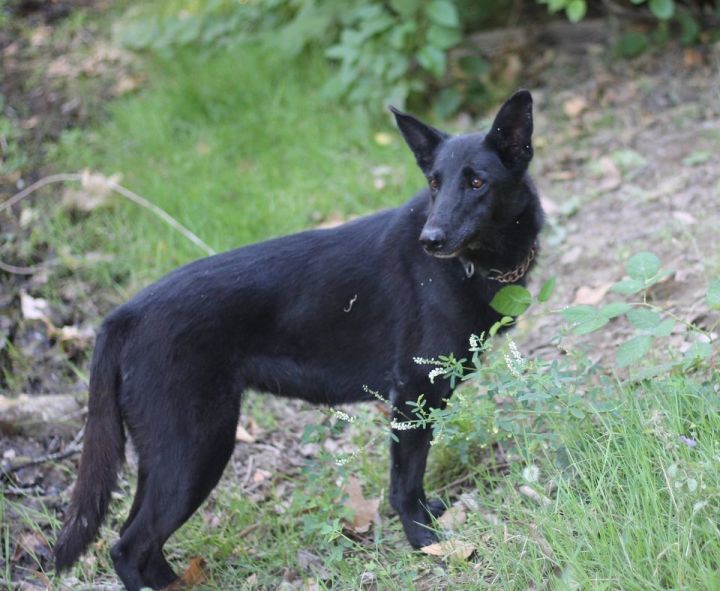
478 183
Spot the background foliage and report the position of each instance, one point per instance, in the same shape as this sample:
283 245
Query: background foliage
391 52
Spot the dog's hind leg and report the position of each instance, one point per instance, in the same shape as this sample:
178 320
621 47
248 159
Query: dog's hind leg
184 462
137 501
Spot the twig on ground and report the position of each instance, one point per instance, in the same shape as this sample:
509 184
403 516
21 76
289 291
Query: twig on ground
532 494
248 473
248 530
85 178
8 268
73 448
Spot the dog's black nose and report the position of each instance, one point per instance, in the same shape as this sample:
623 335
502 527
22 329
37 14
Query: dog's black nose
433 239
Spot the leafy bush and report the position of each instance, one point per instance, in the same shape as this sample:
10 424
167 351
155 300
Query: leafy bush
387 51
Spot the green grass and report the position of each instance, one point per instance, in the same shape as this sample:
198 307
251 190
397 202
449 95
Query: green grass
239 147
631 506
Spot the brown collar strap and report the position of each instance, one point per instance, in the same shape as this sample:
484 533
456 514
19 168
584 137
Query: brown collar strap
509 276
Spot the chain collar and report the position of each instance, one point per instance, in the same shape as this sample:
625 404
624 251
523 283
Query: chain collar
509 276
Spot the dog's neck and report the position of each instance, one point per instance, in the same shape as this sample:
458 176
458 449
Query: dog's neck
512 276
509 255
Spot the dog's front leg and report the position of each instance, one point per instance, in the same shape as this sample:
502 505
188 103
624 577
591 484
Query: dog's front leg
409 451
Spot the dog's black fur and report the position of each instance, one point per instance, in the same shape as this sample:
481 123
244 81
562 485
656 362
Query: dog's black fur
316 315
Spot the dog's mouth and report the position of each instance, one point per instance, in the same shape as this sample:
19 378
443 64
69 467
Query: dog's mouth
442 255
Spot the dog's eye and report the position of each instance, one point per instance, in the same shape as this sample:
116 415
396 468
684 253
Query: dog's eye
477 183
434 184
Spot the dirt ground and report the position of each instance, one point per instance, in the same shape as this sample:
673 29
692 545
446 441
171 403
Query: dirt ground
626 160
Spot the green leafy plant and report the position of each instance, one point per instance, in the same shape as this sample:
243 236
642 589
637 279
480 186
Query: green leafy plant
503 394
647 320
574 9
386 51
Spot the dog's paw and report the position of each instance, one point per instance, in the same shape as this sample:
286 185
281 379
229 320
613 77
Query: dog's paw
420 537
436 507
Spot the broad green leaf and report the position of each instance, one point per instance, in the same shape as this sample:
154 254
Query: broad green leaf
690 28
580 313
713 294
662 9
474 65
406 8
504 321
511 300
697 158
698 350
443 12
447 102
615 309
628 286
546 290
443 37
632 44
632 350
644 318
432 59
643 266
575 10
576 412
652 372
590 325
664 329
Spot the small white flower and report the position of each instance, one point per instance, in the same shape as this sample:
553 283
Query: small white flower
425 361
515 361
343 416
402 425
434 373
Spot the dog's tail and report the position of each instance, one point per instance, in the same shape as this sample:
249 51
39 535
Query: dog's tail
103 450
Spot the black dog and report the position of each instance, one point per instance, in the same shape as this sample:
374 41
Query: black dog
316 315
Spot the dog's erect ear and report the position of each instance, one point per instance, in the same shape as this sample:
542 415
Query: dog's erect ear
422 139
511 133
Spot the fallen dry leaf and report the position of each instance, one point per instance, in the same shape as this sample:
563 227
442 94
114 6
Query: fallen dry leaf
126 84
255 430
561 175
572 255
241 434
453 517
591 295
550 207
260 476
453 549
80 334
195 574
574 106
32 544
684 217
34 308
334 219
610 176
365 511
692 58
95 192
